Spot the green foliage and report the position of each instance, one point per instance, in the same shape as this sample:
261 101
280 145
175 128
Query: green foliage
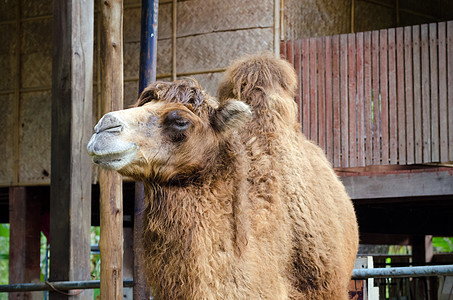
443 244
4 253
399 250
4 258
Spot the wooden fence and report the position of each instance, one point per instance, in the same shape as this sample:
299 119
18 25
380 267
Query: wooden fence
380 97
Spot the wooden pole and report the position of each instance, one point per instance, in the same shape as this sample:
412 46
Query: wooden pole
173 39
277 28
24 242
72 91
111 190
147 74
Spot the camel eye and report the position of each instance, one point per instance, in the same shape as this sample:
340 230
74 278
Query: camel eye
176 125
175 120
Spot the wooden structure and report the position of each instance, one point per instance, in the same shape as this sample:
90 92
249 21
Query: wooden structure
380 97
110 182
70 190
393 159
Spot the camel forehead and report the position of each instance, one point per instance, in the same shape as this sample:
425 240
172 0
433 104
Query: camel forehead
186 92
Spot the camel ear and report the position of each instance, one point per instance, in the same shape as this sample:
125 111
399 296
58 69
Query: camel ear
231 115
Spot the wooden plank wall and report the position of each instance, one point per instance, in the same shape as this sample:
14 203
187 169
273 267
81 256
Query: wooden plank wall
377 98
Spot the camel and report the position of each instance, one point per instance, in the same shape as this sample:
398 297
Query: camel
239 204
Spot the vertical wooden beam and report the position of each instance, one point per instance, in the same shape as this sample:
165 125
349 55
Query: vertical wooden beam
17 86
443 109
336 101
383 89
298 68
422 249
409 96
426 101
368 98
111 189
417 88
375 98
72 84
24 245
148 62
173 38
313 92
329 102
401 105
450 87
352 94
306 87
360 103
393 114
344 106
320 63
434 91
128 260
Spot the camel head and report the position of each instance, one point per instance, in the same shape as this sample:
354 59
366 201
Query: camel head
174 132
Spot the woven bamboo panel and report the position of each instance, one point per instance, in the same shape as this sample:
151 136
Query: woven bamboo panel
131 25
36 60
37 36
218 50
312 18
36 70
130 93
209 82
7 80
131 56
165 21
7 38
34 149
6 136
163 56
7 55
197 16
8 10
32 8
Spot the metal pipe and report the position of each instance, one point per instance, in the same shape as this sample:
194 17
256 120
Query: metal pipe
358 274
424 271
147 75
58 285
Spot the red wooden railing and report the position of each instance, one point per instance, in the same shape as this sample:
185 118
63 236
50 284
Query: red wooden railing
380 97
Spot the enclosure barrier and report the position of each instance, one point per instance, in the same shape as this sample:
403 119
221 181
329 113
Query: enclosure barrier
58 285
423 271
378 97
358 274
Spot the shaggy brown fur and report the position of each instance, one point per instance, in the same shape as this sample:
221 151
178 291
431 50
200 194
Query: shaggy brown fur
239 204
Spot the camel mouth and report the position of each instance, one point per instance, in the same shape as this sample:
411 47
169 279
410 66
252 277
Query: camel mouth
114 160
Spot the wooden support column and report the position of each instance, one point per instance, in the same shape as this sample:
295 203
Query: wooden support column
24 242
111 189
70 192
422 249
422 254
128 260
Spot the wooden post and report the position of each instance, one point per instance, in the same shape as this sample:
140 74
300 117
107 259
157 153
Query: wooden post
128 260
111 190
70 200
24 242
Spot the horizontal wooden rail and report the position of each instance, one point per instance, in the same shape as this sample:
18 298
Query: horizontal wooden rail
379 97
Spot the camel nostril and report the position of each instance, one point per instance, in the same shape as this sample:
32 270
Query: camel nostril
109 123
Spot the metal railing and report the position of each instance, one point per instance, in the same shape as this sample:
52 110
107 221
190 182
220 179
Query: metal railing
358 274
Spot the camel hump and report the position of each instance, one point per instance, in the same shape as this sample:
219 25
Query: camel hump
258 73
